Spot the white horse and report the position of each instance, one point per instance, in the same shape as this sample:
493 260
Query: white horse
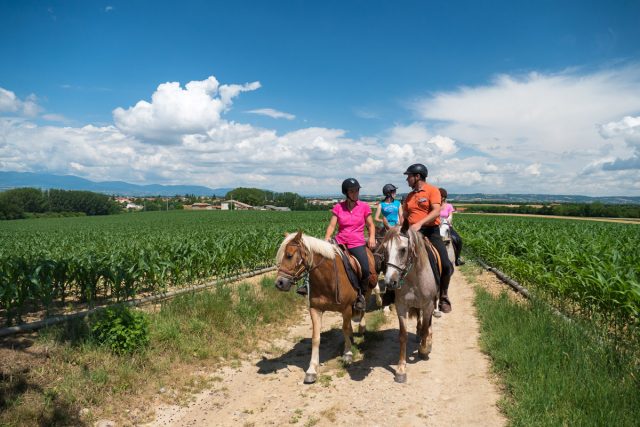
445 233
409 272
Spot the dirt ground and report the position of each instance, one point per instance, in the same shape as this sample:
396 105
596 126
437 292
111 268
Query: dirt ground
453 387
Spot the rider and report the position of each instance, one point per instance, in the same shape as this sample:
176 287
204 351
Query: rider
422 211
351 216
390 208
446 213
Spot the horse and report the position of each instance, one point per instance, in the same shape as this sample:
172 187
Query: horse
301 256
409 272
445 232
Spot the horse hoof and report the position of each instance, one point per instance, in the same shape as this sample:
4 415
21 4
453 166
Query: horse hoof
310 378
401 378
423 356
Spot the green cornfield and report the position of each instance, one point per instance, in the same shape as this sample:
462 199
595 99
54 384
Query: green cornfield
587 268
47 263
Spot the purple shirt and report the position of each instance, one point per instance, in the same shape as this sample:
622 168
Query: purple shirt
351 223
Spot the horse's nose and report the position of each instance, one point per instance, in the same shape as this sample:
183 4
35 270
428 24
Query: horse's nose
281 283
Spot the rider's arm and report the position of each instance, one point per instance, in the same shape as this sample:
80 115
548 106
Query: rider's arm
372 232
331 228
400 214
378 210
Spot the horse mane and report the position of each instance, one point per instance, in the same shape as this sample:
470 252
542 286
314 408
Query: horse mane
312 244
416 244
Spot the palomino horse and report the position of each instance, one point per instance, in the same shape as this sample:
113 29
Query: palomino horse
445 233
329 288
409 273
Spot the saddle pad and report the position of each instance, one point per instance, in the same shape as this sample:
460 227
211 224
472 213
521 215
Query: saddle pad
351 274
434 260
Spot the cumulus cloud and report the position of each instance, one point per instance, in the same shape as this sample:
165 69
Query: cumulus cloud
10 103
515 134
175 111
274 114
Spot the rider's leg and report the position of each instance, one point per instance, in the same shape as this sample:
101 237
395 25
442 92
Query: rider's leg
433 234
457 245
360 252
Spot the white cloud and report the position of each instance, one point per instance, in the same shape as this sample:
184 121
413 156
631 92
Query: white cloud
546 126
270 112
175 112
513 135
10 103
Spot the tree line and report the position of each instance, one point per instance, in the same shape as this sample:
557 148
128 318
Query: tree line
597 209
26 202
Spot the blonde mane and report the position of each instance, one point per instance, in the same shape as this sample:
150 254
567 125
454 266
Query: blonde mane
312 244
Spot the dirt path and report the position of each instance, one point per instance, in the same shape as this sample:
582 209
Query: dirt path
451 388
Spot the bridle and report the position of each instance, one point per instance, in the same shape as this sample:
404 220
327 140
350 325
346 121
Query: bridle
408 264
301 267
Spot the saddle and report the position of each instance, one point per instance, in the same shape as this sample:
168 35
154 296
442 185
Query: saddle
353 268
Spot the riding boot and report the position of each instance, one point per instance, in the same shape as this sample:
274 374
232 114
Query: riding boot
445 304
361 303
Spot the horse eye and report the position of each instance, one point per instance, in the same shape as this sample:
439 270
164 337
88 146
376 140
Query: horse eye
289 256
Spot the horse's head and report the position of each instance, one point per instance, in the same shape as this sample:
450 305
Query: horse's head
445 230
292 261
399 249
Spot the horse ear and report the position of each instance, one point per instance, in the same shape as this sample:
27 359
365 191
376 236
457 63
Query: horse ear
298 236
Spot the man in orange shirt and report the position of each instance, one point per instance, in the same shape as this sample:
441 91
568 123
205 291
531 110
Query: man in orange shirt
422 210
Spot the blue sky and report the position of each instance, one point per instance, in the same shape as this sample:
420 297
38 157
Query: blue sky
493 97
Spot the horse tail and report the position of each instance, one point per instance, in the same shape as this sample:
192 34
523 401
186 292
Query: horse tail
414 313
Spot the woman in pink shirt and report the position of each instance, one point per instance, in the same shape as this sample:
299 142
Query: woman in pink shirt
351 216
446 213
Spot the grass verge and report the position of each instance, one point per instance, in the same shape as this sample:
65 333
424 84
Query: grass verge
552 371
63 377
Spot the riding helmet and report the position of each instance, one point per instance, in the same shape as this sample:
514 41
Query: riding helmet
417 168
388 189
349 184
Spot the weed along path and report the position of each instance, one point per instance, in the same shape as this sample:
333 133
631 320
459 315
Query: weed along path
453 387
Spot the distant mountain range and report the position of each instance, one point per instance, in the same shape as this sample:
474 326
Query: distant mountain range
10 180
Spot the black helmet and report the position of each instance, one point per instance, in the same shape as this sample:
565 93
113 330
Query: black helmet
348 184
443 193
388 189
417 168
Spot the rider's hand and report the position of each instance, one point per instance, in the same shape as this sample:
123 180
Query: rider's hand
415 227
372 243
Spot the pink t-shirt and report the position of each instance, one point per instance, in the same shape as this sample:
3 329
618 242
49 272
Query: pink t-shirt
446 210
351 223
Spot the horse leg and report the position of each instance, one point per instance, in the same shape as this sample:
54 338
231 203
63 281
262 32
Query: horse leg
401 372
316 321
419 325
347 356
426 334
376 292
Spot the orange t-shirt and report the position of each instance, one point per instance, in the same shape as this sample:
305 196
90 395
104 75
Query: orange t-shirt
419 203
